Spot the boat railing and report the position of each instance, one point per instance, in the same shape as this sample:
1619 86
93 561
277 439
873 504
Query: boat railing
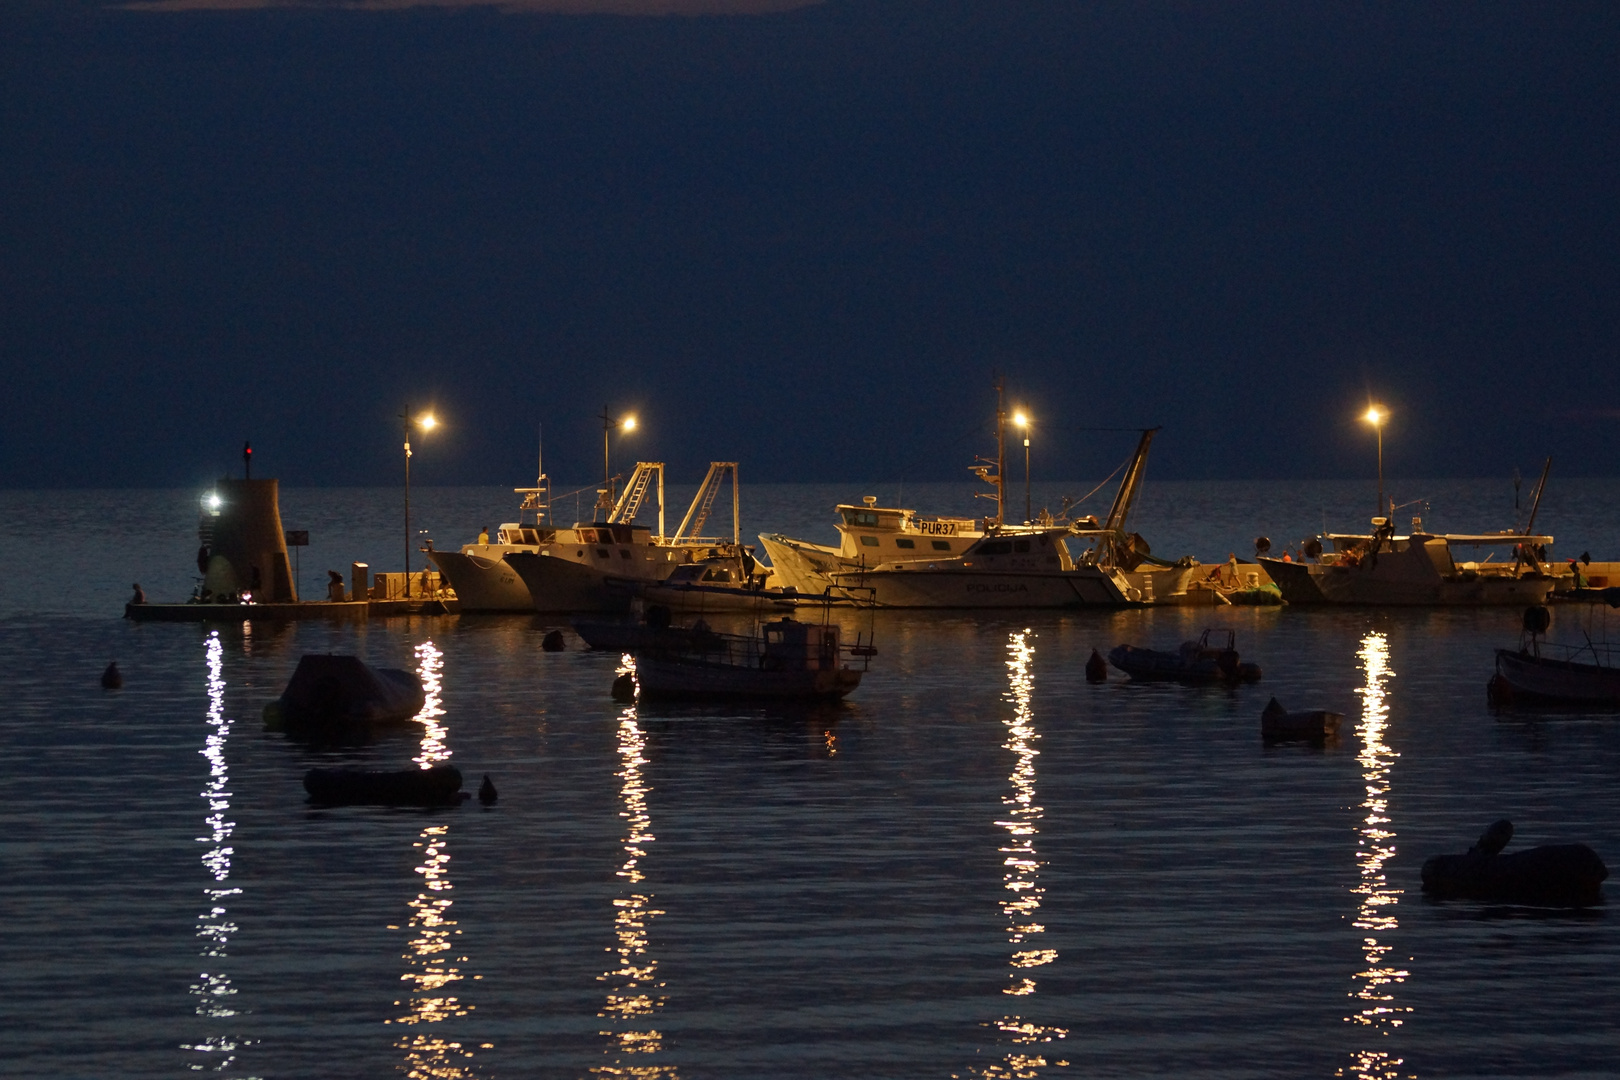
1600 653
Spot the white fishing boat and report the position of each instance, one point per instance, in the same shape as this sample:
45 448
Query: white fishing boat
598 566
869 534
479 573
727 579
1033 565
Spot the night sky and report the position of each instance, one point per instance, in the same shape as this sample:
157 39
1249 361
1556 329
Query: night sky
807 239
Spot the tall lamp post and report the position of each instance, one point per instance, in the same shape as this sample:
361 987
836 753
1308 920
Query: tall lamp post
1022 420
1376 416
626 423
427 423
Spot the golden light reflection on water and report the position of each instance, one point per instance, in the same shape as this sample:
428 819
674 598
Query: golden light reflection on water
635 996
431 970
214 990
1021 877
1374 993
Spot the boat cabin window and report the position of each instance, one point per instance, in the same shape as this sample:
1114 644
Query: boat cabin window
624 553
861 518
942 545
869 541
1021 546
717 574
997 547
603 553
905 542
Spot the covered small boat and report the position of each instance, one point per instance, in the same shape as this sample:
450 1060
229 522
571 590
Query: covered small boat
1277 724
1553 875
337 691
1209 659
437 786
786 660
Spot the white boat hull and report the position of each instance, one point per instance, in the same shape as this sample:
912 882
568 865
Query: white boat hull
482 579
558 584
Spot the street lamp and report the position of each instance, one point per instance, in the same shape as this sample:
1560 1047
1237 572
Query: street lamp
625 423
427 422
1376 416
1022 421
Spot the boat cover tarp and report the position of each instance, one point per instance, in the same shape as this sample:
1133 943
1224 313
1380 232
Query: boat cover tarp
342 689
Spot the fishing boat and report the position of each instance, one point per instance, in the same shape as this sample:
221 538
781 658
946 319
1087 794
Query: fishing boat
597 566
1211 658
479 573
727 579
869 534
786 659
1420 569
1544 672
1033 565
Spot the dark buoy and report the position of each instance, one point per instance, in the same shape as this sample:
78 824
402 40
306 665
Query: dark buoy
553 642
1096 668
112 678
624 688
486 792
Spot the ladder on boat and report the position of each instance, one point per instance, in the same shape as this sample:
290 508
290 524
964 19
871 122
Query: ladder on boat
635 493
698 514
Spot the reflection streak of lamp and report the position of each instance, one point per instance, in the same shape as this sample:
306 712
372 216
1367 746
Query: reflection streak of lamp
431 969
1022 874
1374 993
215 990
635 997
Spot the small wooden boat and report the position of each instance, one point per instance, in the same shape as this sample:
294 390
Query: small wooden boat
1206 660
1277 724
1553 875
787 660
438 786
1543 672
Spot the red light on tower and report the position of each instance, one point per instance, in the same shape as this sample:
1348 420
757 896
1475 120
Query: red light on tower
247 460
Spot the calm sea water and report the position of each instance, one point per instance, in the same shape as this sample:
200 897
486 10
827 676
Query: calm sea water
979 866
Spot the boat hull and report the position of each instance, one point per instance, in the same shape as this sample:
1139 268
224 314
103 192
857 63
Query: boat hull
482 580
558 585
805 567
1542 679
1392 583
967 588
662 678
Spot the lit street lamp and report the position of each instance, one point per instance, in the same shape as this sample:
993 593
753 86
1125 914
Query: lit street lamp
1022 421
427 423
625 423
1376 417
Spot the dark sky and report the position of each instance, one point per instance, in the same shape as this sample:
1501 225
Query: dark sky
807 239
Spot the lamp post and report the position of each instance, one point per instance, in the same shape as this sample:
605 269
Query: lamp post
1376 417
626 423
427 423
1022 420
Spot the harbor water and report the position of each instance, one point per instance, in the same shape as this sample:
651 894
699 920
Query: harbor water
979 865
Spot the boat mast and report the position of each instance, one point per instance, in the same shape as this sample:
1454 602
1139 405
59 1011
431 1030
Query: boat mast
1001 454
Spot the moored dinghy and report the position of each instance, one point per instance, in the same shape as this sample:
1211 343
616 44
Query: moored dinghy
1209 659
1553 875
438 786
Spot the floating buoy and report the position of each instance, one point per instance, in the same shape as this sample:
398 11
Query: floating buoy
1096 668
624 688
486 791
1554 875
553 642
112 678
